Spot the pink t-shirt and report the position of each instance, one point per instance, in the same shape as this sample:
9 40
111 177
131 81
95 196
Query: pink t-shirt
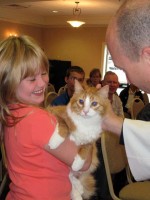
35 173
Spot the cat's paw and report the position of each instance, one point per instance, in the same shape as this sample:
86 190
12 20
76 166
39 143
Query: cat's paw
76 196
56 139
77 188
77 163
71 137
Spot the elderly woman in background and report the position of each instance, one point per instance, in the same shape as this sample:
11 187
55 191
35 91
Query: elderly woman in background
94 77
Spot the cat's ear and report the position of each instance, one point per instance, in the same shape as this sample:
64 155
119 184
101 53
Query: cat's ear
78 87
104 91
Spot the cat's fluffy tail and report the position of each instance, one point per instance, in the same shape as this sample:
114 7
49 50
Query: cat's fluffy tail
89 186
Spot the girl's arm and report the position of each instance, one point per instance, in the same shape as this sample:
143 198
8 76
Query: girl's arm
67 151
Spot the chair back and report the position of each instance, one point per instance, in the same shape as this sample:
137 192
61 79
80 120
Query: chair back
146 99
115 161
5 175
50 88
62 90
114 158
136 106
113 152
3 155
49 98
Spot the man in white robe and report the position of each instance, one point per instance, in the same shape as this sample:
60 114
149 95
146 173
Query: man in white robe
128 40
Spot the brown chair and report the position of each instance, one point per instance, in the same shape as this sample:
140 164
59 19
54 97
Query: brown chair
136 106
146 99
50 88
62 90
4 170
49 98
115 161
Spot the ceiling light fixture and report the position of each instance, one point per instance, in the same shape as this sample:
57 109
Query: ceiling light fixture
76 12
55 11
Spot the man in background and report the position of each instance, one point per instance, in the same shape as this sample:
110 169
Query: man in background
111 79
72 74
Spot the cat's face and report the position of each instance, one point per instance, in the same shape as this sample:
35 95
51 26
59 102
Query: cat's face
89 101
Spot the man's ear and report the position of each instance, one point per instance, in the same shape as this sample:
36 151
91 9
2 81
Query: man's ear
146 54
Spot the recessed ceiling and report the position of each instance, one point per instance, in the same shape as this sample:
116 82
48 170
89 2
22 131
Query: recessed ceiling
39 13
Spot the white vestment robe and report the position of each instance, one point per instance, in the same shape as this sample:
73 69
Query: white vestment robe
136 136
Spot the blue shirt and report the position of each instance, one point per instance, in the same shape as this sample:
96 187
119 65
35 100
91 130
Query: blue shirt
62 99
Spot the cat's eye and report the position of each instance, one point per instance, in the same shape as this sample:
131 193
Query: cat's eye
94 103
81 101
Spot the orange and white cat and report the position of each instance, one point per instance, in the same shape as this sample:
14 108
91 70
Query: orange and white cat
81 121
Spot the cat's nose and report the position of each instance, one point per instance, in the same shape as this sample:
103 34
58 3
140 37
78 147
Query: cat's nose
85 112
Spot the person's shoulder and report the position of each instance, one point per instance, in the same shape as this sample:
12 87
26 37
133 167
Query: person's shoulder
35 109
140 92
88 81
125 90
61 99
37 113
63 95
25 109
144 114
115 95
116 98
